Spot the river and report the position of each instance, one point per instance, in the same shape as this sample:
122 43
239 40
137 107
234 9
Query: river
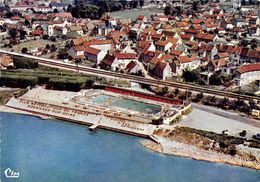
57 151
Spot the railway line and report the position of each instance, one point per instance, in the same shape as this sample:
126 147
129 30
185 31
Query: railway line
105 73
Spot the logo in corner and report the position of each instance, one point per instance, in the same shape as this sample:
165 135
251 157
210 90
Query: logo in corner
11 174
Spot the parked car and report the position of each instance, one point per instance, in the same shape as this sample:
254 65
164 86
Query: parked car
225 132
257 136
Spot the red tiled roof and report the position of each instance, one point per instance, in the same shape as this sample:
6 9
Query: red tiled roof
206 36
253 54
131 65
125 55
92 50
108 60
185 36
196 21
37 32
175 52
184 59
248 68
140 17
181 24
219 62
79 48
5 60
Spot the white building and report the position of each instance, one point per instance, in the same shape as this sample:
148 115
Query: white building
247 73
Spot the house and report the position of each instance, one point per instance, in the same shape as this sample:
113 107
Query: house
216 65
75 30
104 45
50 26
254 21
162 70
163 45
253 56
166 43
5 62
107 62
247 73
243 55
235 54
229 68
187 37
77 52
141 18
226 24
123 59
133 67
94 55
203 37
184 62
238 22
59 31
223 55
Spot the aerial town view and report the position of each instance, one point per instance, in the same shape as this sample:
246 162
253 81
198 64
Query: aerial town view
130 90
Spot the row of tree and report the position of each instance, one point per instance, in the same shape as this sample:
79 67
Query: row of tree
54 80
99 7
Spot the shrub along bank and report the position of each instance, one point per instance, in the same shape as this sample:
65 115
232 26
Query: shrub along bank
54 80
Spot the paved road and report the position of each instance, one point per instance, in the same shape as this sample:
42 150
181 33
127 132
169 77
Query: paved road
228 114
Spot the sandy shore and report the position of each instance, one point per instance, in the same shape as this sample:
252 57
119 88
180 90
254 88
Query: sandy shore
185 150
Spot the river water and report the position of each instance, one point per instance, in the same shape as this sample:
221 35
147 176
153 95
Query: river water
57 151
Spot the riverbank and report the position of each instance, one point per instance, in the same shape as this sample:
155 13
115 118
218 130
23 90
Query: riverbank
245 156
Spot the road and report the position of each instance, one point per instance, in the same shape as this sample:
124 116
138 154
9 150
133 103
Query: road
133 78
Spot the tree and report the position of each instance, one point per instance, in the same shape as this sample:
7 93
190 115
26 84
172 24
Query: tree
22 34
135 4
47 47
178 10
117 7
124 3
167 10
24 63
53 39
195 5
69 8
190 76
24 50
62 54
75 12
55 10
27 23
253 46
215 79
13 33
141 3
53 48
45 37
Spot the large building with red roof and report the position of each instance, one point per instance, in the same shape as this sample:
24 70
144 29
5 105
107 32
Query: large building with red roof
248 73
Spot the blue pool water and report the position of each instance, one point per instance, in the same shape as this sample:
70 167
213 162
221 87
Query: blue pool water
127 104
100 99
56 151
136 106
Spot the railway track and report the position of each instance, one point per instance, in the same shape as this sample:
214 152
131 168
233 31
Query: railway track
104 73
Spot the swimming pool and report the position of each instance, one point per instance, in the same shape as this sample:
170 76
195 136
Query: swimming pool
126 104
100 99
136 106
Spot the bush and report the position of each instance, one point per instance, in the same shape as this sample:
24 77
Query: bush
18 81
67 83
24 63
190 76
